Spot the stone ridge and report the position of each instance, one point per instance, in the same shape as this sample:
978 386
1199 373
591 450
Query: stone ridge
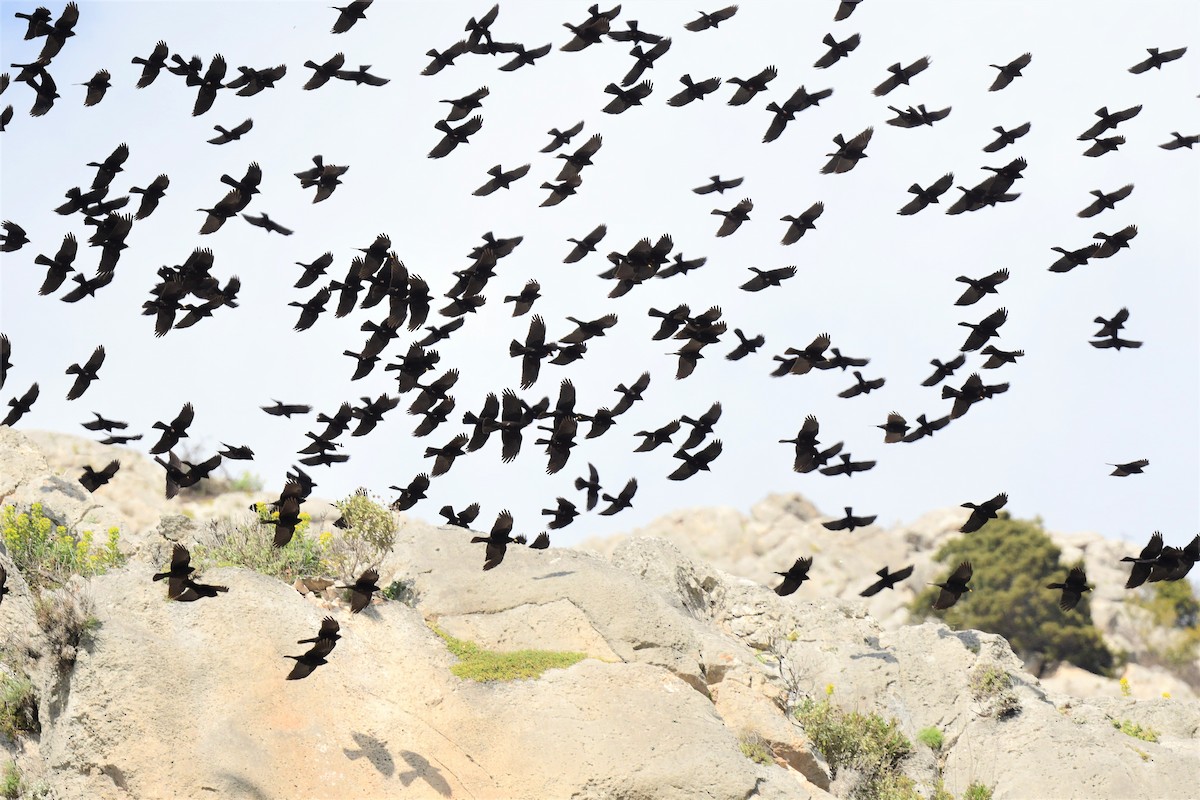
189 700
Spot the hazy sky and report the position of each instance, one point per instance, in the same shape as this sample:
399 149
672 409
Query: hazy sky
880 284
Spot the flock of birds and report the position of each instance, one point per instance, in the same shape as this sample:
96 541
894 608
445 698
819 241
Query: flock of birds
188 293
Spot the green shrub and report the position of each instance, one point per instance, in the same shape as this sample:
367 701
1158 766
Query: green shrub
47 554
1130 728
368 534
247 482
18 706
10 784
477 664
977 791
66 617
755 748
1172 605
931 737
940 792
991 686
229 544
1013 560
866 743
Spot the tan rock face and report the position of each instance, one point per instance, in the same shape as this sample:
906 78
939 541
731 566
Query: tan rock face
173 700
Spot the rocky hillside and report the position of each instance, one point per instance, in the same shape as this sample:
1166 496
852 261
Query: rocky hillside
783 527
686 689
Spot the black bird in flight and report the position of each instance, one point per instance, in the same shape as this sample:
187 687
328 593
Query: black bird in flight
901 75
267 224
623 500
861 386
644 60
848 153
59 266
444 456
796 575
591 485
837 50
460 519
464 105
586 245
561 138
1009 71
1111 243
563 513
954 587
97 85
980 287
894 429
734 217
286 410
1006 137
361 76
3 583
745 346
998 358
624 99
799 101
85 374
983 512
93 480
693 90
497 541
21 406
1132 468
1181 141
328 633
454 136
845 9
802 224
886 580
1104 201
915 117
847 467
927 195
926 427
323 72
309 661
765 278
350 14
174 431
500 179
155 191
1108 120
14 237
1070 259
717 185
361 590
695 462
749 87
985 329
1143 564
849 522
153 65
711 20
179 571
1157 59
1072 590
232 134
1101 146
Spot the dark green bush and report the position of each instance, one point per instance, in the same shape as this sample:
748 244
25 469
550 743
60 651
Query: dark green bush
1013 561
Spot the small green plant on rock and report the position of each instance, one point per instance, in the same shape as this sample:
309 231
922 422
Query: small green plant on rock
368 534
977 791
18 706
992 688
229 544
66 618
931 737
866 743
10 784
478 664
47 554
1131 728
755 748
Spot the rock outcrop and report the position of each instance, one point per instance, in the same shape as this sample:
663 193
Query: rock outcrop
685 662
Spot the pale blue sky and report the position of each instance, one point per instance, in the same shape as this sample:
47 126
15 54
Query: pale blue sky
882 285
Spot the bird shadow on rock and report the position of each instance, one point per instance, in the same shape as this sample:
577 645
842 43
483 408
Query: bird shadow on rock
421 768
374 751
560 574
882 656
240 786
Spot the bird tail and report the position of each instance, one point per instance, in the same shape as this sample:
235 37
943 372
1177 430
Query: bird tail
478 539
515 349
915 189
829 40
